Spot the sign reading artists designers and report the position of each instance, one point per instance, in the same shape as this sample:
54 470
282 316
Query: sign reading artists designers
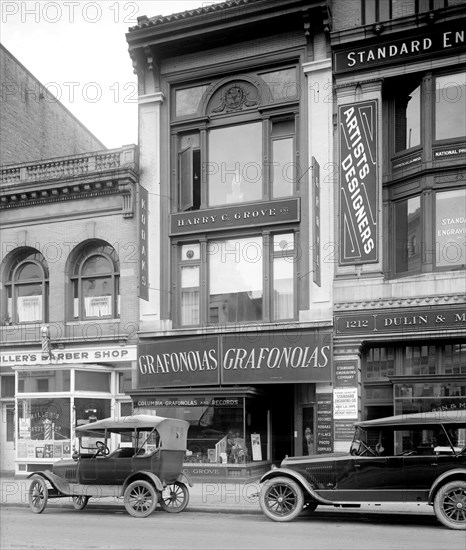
358 183
261 358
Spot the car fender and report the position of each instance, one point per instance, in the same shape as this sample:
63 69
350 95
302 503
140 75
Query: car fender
57 482
183 478
146 475
445 477
301 480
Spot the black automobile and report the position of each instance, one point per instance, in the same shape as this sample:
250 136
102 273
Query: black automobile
407 458
144 469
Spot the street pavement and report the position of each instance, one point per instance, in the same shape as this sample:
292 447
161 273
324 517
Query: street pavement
206 496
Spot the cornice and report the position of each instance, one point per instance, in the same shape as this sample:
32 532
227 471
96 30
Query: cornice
419 301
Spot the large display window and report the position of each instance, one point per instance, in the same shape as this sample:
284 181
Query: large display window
224 429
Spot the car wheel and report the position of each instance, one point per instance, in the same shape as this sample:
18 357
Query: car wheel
450 505
175 497
281 499
38 494
140 499
80 502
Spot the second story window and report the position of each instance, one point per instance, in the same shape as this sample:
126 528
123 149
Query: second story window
374 11
95 284
26 288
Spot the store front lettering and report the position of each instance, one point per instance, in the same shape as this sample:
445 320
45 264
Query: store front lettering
275 358
190 361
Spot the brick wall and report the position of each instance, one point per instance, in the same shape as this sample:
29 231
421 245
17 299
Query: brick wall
34 125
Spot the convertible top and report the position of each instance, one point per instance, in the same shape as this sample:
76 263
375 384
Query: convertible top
173 432
451 416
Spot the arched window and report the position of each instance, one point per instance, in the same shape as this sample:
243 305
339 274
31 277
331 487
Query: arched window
26 288
95 284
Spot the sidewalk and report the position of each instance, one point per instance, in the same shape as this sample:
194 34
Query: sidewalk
206 496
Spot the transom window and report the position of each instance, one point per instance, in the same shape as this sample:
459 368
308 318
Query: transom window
95 284
244 279
26 289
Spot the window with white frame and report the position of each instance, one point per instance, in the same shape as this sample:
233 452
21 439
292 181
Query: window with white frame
26 288
95 284
237 279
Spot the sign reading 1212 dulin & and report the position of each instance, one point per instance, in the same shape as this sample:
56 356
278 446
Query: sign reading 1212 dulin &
358 183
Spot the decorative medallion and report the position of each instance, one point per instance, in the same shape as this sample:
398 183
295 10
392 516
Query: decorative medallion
234 98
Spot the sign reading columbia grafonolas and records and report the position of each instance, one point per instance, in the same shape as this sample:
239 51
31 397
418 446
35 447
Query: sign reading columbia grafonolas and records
358 183
250 357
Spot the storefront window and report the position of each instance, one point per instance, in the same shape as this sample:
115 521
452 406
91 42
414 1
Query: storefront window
44 381
408 119
380 363
450 111
92 381
408 231
419 360
450 228
44 428
428 396
89 410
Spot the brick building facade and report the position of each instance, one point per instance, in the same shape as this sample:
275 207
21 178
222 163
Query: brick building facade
34 124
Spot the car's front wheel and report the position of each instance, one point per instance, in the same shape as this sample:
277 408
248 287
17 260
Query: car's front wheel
281 499
450 505
140 499
38 494
175 497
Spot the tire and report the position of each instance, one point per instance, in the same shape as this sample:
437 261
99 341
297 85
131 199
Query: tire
140 499
174 498
80 502
450 505
281 499
38 494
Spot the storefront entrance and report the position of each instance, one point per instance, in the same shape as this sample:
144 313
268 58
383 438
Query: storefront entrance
7 437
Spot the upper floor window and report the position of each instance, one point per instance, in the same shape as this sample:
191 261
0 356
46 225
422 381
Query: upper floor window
422 6
26 288
450 102
248 279
233 151
95 284
374 11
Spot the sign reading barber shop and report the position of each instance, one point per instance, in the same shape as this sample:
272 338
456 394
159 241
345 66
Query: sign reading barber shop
358 183
250 357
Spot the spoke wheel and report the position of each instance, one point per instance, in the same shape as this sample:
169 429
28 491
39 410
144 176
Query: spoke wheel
175 498
80 502
140 499
450 505
38 494
281 499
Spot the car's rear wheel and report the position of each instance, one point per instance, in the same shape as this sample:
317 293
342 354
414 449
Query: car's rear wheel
281 499
80 502
450 505
175 497
38 494
140 499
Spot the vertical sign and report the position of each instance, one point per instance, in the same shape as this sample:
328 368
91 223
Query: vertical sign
143 267
316 212
324 423
358 183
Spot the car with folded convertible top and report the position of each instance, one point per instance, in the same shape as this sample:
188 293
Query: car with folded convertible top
418 457
145 467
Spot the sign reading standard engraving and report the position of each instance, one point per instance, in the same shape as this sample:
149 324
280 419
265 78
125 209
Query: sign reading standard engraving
241 215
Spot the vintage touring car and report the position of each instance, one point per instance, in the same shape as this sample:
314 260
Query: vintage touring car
144 469
407 458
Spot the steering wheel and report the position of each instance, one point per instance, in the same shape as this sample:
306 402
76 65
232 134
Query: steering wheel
366 450
102 449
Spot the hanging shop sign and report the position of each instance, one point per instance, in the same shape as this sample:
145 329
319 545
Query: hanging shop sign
239 358
316 230
143 212
324 423
358 183
345 403
402 320
346 374
241 215
438 42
